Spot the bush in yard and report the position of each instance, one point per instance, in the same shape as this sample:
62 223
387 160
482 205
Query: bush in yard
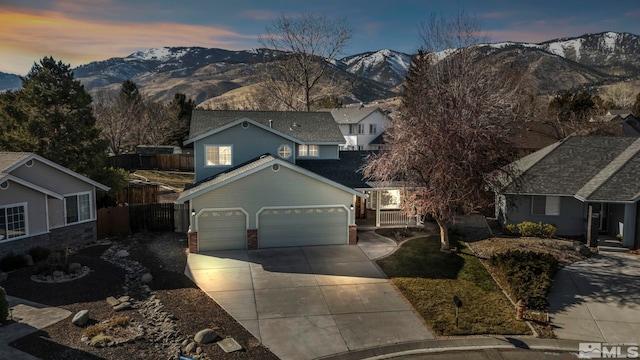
528 228
12 262
4 305
39 253
548 230
510 229
528 275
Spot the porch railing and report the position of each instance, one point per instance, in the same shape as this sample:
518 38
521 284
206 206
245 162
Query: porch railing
396 218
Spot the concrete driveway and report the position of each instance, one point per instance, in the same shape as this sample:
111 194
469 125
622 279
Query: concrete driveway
307 302
598 300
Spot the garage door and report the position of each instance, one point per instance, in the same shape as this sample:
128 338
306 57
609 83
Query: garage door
303 227
222 230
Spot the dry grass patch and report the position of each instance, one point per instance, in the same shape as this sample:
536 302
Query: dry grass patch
563 250
173 179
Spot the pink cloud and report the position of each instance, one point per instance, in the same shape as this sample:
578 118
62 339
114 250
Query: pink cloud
259 14
29 34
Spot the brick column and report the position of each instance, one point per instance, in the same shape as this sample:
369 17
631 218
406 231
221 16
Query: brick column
353 234
193 241
252 239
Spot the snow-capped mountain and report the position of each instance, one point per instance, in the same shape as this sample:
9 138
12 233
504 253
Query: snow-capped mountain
385 66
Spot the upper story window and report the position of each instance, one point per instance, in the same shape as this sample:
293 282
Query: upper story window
218 155
373 129
77 207
545 205
13 221
284 151
308 150
356 129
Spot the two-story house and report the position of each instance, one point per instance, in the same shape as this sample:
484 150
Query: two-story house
362 127
258 181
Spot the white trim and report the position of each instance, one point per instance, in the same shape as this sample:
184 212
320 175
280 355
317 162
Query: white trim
236 122
251 171
205 146
91 207
6 185
25 206
285 147
35 187
57 167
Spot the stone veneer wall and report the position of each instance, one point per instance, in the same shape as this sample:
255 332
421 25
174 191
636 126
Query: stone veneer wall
71 236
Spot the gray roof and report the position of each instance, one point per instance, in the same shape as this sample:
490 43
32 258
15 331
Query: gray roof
9 159
307 127
591 168
351 115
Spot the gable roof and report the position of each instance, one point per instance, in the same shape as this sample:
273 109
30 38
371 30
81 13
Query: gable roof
251 167
591 168
303 127
351 115
9 161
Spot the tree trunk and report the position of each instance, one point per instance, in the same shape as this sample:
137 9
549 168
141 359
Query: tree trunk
444 235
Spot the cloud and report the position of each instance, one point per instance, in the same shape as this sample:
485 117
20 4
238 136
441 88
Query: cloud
634 14
498 15
28 33
259 14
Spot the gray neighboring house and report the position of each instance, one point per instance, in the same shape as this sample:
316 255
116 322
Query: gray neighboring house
268 179
584 185
362 127
43 203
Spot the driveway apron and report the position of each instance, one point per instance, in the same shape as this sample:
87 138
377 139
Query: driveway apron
598 300
308 302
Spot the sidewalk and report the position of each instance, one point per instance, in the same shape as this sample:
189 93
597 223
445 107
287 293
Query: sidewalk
457 344
28 317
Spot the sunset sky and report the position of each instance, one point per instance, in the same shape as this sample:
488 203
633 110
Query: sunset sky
81 31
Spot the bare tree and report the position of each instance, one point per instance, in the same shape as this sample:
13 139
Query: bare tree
450 134
306 46
621 95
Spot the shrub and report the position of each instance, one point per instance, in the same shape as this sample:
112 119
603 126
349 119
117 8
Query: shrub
12 262
39 253
528 228
528 275
548 230
510 229
4 305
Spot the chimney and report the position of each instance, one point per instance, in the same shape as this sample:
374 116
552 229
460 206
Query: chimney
271 123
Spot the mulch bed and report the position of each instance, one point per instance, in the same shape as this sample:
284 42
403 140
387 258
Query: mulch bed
164 255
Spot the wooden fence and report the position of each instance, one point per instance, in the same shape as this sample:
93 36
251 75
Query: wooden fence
147 217
163 162
138 194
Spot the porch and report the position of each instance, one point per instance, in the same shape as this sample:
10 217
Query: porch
382 209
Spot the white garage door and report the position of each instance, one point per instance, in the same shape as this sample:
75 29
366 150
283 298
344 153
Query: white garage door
222 230
303 227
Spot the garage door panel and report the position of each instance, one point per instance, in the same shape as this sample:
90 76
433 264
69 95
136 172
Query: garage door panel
303 227
222 230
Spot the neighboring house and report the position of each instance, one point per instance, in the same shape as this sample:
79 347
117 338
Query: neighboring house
43 203
253 184
621 122
584 185
362 127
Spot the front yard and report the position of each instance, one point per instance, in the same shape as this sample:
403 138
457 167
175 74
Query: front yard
430 279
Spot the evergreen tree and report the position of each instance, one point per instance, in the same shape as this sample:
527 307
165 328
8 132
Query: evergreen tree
182 107
52 116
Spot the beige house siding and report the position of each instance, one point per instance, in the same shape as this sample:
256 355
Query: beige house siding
35 202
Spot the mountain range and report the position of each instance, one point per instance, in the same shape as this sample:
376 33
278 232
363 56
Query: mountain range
215 76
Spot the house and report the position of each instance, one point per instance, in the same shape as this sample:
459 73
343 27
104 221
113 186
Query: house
43 203
619 122
256 186
362 127
584 185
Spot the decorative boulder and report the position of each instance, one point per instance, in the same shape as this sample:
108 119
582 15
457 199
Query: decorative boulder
205 336
57 274
74 268
80 318
146 278
122 254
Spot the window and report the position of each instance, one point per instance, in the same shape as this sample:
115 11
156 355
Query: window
308 150
218 155
13 222
373 129
356 129
545 205
77 208
284 151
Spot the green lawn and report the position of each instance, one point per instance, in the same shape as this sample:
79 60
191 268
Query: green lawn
429 279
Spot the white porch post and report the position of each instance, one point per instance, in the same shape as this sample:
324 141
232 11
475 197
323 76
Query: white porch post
378 195
629 231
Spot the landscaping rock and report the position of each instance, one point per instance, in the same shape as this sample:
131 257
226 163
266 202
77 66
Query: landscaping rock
122 306
3 276
229 345
205 336
57 274
80 318
583 250
113 301
190 347
146 278
122 254
74 268
124 298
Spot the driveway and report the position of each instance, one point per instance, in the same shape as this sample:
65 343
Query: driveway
598 300
307 302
